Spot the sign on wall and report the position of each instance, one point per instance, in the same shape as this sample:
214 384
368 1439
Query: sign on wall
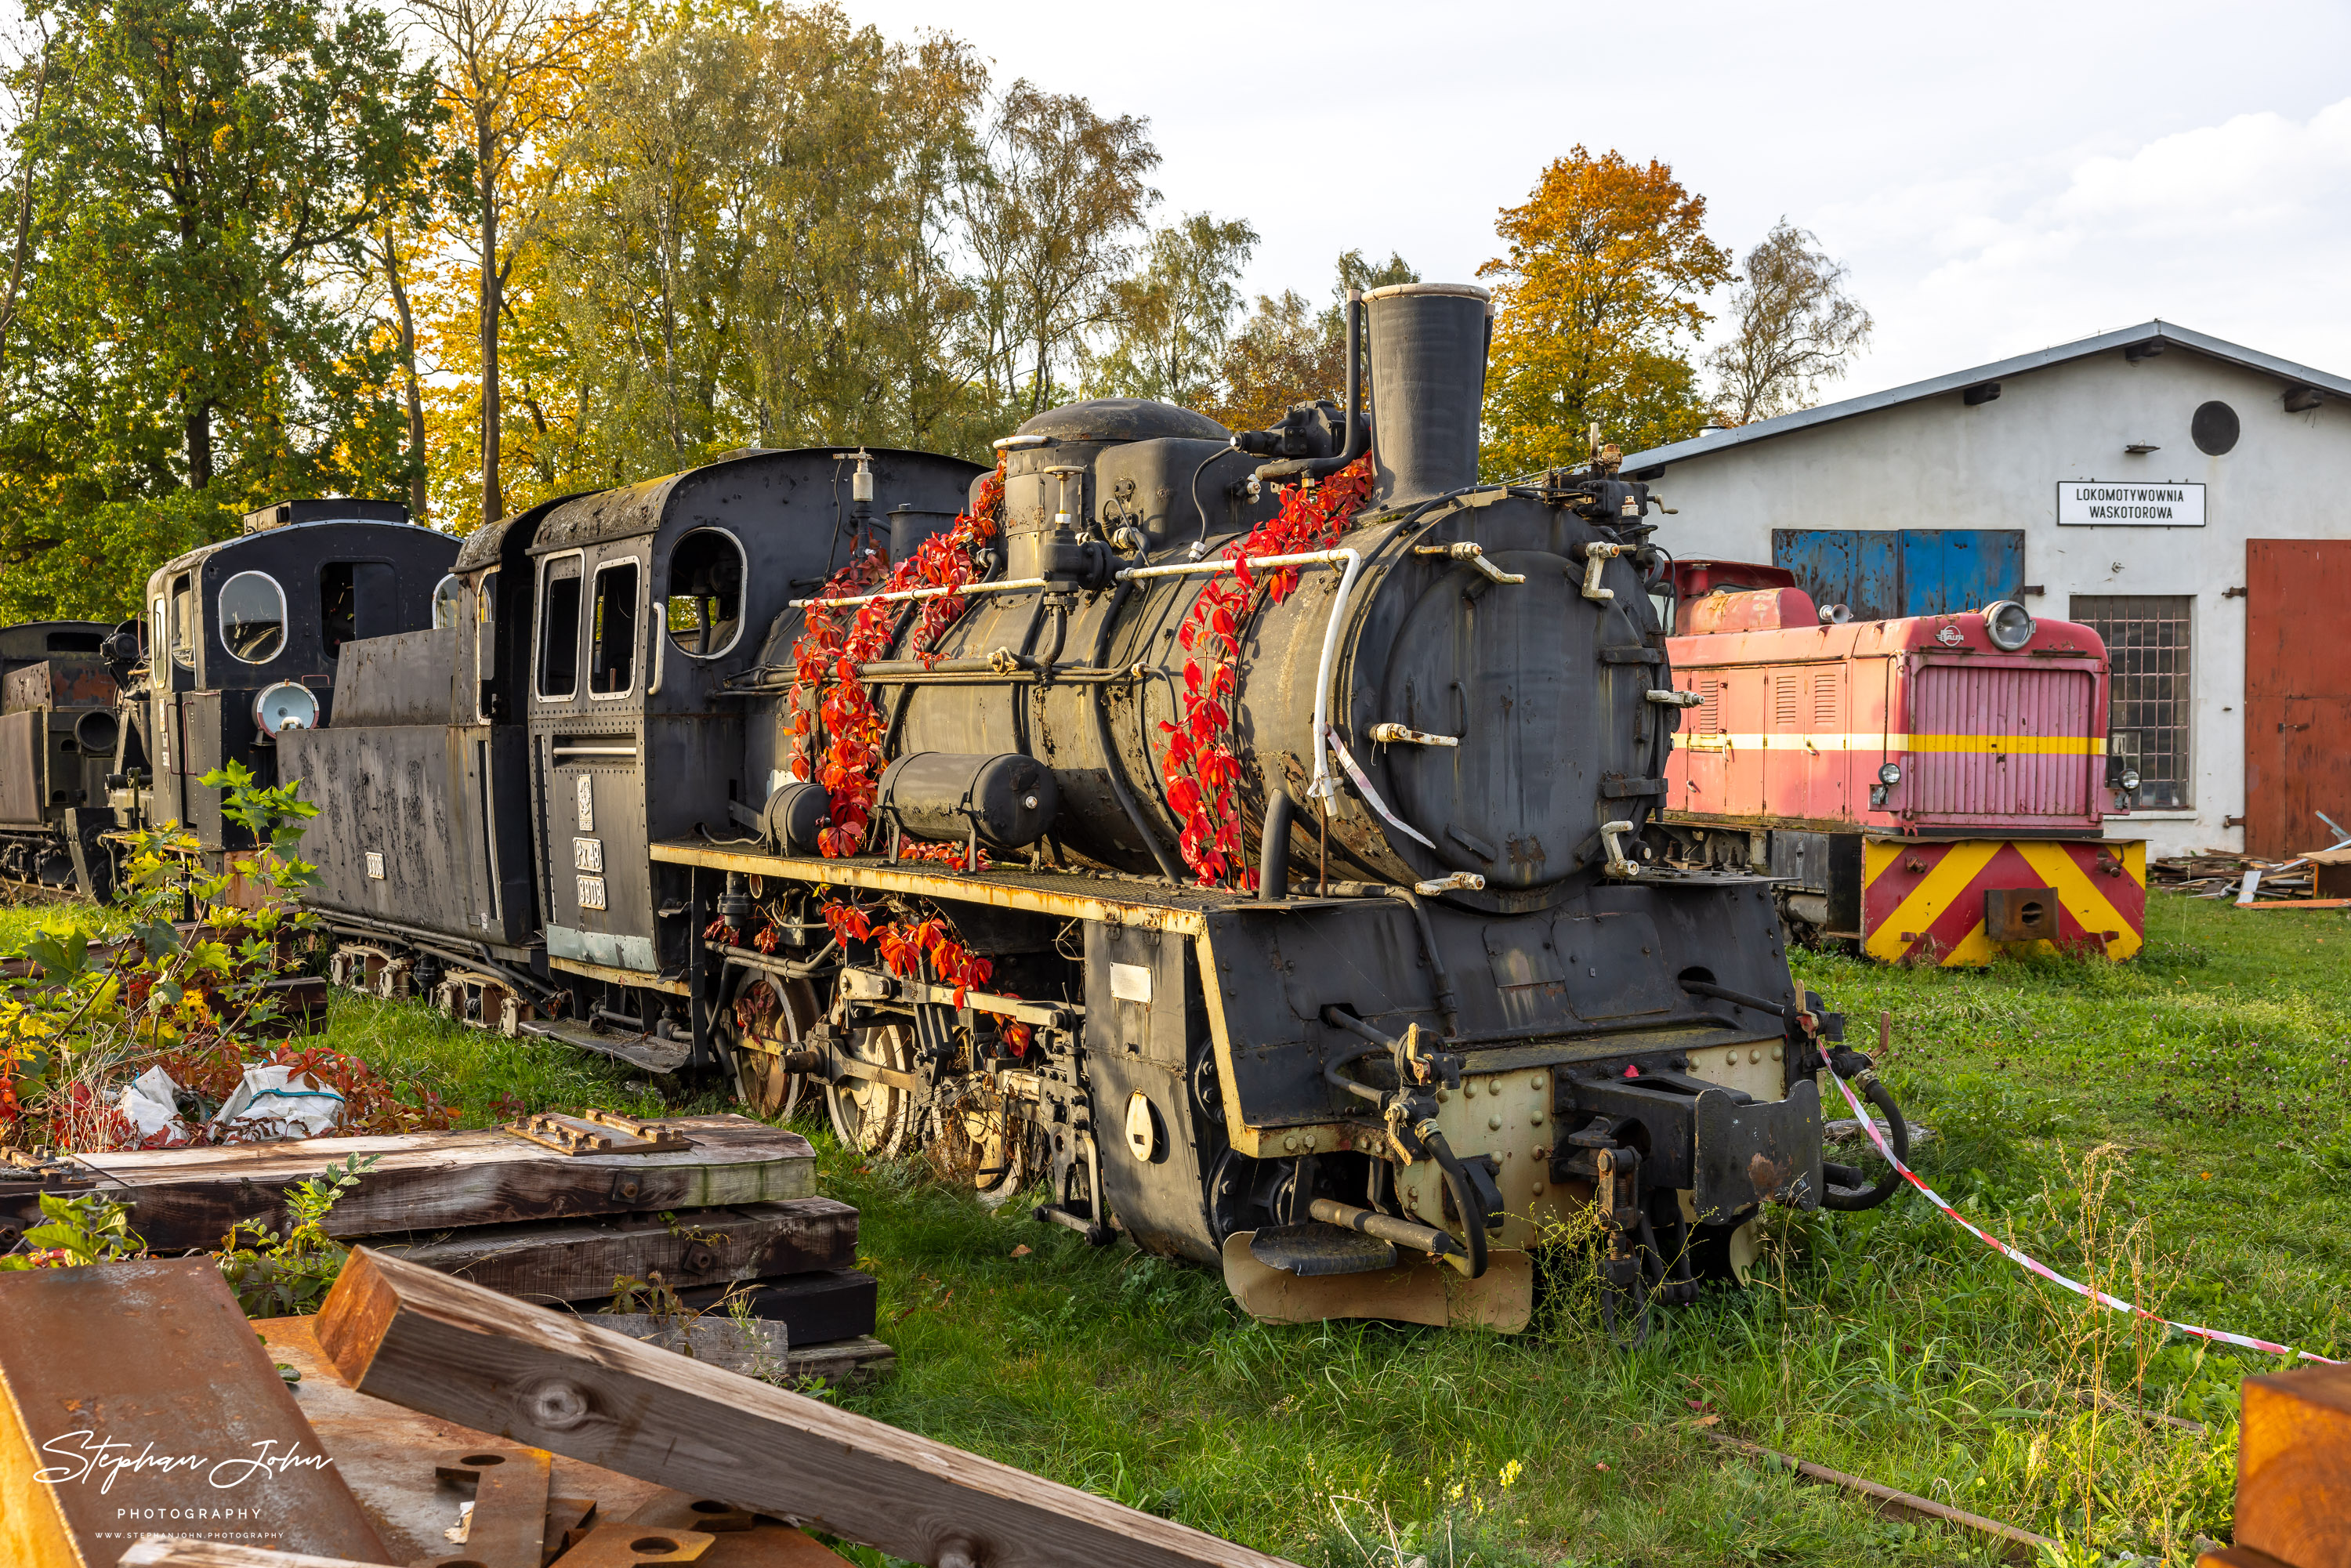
2112 503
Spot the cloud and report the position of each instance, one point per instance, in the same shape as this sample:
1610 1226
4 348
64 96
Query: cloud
2241 228
2256 168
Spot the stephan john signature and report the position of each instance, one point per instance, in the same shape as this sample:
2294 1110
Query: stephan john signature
86 1453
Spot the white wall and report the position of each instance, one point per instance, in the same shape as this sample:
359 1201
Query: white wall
1937 464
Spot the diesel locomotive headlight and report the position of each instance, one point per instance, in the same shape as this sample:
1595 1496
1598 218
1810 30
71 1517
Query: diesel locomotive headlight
1890 774
2009 624
288 704
2129 781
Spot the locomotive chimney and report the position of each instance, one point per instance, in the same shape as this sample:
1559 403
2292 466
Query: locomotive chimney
1428 386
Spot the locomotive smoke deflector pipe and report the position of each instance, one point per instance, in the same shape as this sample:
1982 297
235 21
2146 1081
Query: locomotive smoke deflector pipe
1323 467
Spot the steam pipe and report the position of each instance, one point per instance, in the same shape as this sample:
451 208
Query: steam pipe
1323 467
1447 1002
1273 849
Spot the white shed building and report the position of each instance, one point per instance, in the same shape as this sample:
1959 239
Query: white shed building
2188 499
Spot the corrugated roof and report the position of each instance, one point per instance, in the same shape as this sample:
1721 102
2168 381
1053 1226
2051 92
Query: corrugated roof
2165 332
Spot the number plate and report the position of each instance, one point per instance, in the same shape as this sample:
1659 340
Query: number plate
592 893
587 803
587 854
375 864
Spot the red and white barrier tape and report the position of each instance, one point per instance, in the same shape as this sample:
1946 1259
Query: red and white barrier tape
1869 1125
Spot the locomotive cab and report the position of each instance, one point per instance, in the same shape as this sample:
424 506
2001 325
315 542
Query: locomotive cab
57 739
645 602
243 638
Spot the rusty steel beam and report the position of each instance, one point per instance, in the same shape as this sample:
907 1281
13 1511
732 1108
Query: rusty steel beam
102 1367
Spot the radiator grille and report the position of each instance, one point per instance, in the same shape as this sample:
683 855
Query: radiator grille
1991 705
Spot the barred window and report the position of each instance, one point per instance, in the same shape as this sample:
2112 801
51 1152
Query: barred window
2147 638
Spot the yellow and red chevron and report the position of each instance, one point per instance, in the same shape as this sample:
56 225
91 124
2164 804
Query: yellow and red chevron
1923 900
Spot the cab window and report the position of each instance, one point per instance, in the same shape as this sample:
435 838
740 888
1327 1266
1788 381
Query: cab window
184 620
357 600
253 617
705 592
613 646
448 602
558 621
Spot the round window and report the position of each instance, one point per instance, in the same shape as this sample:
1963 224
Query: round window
448 600
253 617
2214 429
705 592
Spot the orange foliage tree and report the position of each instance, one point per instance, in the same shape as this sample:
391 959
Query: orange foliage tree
1597 304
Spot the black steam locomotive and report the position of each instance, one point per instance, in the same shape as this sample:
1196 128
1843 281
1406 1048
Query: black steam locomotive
1248 833
241 647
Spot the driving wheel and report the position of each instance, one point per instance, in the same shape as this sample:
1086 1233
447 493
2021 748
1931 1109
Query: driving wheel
770 1016
982 1140
871 1116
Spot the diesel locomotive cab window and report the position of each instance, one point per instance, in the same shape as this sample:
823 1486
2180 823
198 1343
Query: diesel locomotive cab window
448 598
253 617
613 639
558 629
357 600
705 592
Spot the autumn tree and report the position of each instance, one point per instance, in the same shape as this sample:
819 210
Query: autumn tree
511 75
1597 302
1046 215
1287 352
1793 328
1169 319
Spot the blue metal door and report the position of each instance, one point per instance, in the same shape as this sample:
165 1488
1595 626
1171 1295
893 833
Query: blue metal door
1946 571
1880 573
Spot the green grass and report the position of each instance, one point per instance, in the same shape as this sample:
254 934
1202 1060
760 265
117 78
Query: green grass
2212 1074
2174 1126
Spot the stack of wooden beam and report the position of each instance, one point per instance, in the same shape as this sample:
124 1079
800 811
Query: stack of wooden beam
559 1211
430 1421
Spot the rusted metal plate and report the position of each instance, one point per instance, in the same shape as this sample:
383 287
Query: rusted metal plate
2297 694
594 1132
627 1545
388 1454
507 1525
138 1400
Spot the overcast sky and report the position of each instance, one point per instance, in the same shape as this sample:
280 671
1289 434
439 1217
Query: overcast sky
1999 177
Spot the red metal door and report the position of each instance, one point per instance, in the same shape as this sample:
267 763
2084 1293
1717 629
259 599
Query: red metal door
2297 694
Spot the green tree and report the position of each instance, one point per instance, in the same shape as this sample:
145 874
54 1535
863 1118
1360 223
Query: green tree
1046 215
686 298
1288 353
1595 305
207 175
1170 318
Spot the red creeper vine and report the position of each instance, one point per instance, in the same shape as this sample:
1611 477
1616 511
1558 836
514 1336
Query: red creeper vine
826 657
1199 766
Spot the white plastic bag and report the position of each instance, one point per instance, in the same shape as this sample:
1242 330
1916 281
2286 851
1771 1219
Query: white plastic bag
272 1103
148 1104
